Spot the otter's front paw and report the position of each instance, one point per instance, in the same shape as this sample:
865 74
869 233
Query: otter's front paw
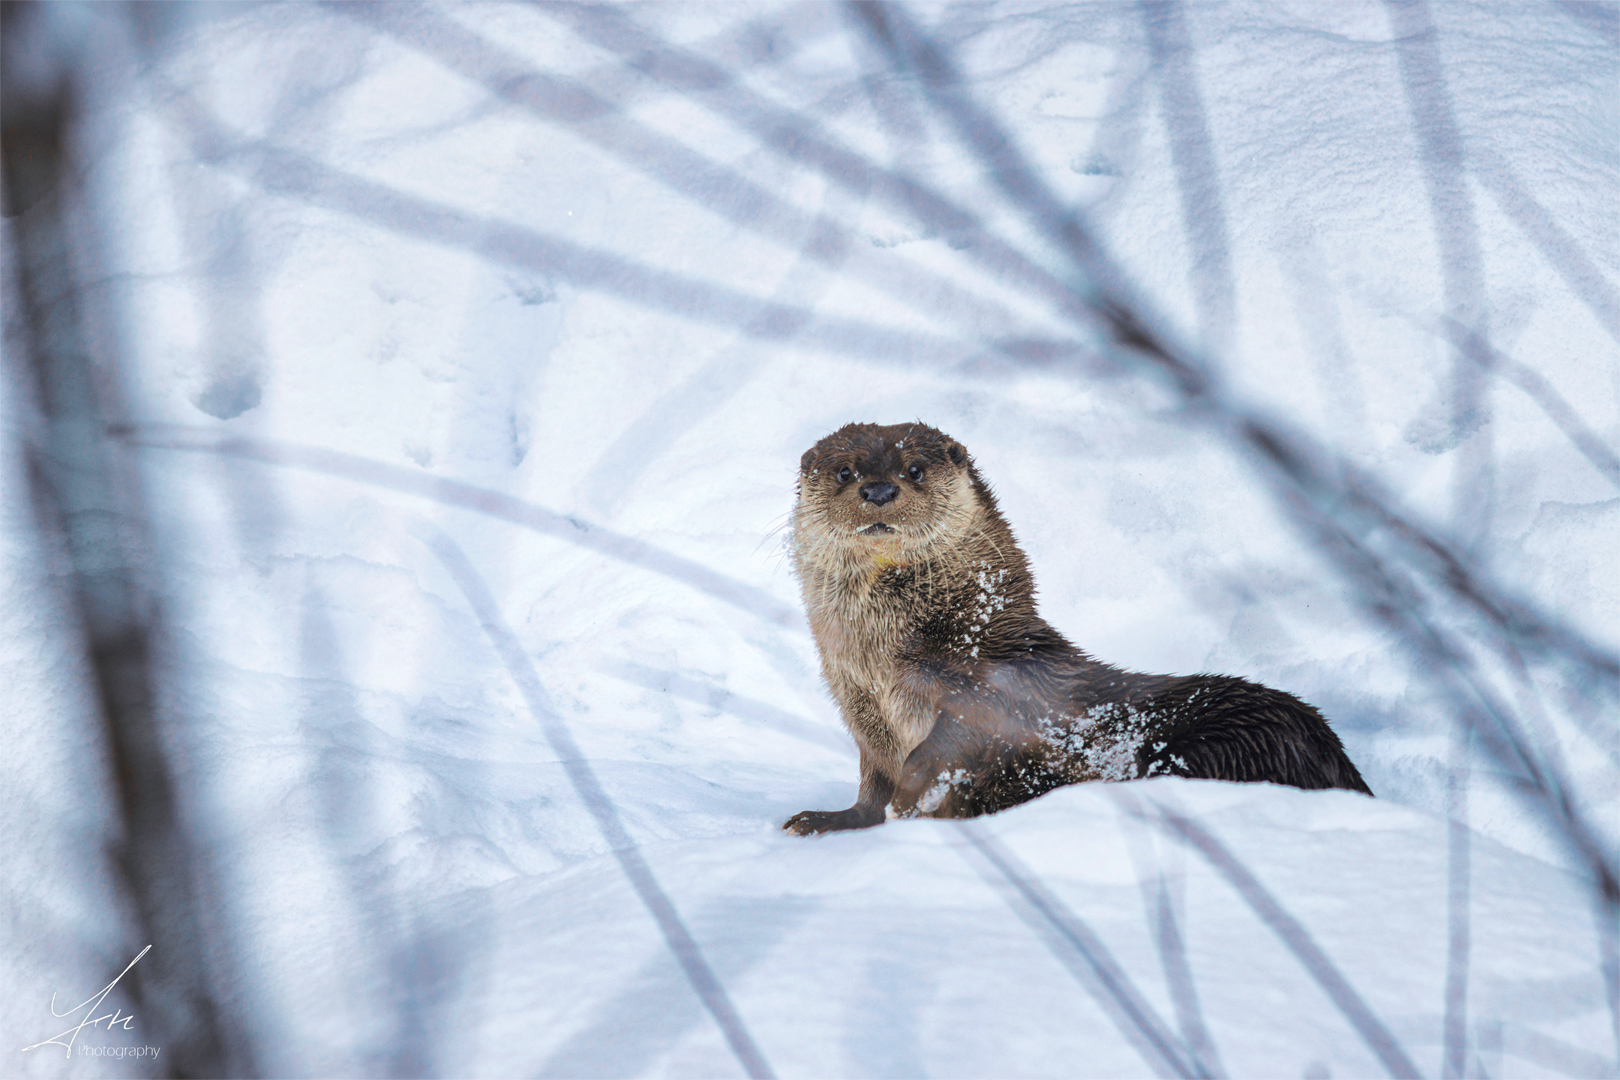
810 822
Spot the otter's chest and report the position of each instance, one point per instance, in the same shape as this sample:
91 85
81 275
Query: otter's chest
867 654
867 648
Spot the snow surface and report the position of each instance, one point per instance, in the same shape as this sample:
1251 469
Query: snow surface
495 313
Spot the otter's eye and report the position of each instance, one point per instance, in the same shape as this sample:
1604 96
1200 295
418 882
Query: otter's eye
916 473
844 474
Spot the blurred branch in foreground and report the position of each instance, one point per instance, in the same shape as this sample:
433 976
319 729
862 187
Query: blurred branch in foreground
496 504
1402 573
699 973
85 494
1292 932
1083 953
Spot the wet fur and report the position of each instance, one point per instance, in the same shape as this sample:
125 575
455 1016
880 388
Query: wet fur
962 700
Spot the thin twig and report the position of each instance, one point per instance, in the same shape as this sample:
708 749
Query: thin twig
687 953
1088 959
627 549
1293 934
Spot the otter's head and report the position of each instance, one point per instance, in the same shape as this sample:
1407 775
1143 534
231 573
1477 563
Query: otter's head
890 494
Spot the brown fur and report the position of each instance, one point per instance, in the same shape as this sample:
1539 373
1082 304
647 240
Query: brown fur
960 697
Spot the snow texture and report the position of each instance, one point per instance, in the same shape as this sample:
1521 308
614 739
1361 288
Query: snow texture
469 352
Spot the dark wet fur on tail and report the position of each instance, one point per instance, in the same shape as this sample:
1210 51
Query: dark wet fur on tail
1238 730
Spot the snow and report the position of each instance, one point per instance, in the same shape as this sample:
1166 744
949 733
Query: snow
471 366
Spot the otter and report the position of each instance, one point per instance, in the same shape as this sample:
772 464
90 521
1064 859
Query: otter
961 698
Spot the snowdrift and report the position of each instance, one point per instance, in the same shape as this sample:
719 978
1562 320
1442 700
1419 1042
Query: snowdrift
466 356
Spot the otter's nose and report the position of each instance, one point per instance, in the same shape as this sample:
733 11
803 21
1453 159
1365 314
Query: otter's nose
879 492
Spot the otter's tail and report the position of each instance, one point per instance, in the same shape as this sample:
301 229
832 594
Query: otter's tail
1231 729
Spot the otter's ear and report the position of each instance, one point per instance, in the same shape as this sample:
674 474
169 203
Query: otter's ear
956 453
804 462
